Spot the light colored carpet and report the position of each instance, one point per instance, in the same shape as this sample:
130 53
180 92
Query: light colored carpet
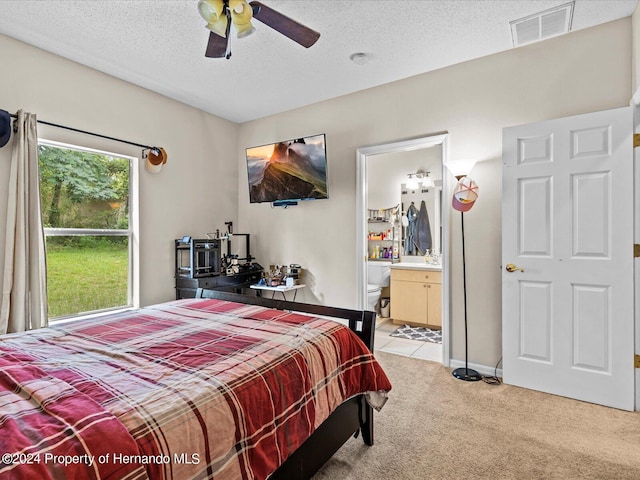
437 427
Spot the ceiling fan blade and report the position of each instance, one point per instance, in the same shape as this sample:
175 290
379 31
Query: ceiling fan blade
217 46
283 24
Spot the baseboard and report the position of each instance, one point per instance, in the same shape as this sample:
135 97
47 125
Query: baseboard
382 320
481 369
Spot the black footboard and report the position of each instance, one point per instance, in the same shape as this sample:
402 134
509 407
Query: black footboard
351 416
361 322
342 424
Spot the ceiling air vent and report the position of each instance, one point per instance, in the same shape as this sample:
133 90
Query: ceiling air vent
539 26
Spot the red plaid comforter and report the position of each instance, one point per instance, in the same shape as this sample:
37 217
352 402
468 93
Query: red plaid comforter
192 388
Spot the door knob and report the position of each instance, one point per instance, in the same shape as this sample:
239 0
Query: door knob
512 268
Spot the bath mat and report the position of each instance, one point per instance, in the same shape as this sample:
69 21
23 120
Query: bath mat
418 333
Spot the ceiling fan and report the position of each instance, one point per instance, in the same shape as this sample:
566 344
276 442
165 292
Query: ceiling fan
221 14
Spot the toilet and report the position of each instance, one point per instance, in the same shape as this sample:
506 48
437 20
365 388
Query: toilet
378 276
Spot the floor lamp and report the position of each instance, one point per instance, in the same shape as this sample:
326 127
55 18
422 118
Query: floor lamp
464 197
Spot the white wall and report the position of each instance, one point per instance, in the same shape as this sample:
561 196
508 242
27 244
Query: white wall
386 172
195 193
584 71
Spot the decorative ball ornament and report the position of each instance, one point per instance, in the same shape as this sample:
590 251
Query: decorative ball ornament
465 194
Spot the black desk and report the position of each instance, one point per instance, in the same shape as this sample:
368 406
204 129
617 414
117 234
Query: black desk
186 287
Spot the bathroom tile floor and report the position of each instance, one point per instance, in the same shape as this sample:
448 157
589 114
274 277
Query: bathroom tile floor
402 346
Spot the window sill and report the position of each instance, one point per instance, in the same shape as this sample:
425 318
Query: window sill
88 316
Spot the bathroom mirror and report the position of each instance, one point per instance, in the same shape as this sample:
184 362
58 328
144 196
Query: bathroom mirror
421 225
387 177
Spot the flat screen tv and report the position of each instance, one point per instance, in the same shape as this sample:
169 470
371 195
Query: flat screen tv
285 172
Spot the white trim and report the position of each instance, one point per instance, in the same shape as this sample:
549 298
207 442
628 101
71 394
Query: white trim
361 223
88 316
133 232
134 228
635 100
636 235
81 232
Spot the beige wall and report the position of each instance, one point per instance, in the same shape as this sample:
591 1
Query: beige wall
584 71
195 193
205 183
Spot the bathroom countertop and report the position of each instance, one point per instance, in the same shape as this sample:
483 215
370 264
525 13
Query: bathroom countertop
417 266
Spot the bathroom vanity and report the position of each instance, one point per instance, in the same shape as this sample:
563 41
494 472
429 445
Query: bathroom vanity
416 294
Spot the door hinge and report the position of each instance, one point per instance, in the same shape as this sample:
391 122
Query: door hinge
636 140
636 360
636 250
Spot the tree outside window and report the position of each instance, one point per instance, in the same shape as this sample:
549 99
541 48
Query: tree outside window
85 206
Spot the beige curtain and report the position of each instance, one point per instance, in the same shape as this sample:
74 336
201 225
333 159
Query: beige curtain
24 284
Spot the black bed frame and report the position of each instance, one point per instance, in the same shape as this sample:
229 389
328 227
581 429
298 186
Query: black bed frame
352 416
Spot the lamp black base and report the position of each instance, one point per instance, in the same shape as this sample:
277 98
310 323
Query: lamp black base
466 374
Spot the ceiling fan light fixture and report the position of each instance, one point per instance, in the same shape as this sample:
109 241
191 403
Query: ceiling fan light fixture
220 27
241 14
212 11
220 15
244 30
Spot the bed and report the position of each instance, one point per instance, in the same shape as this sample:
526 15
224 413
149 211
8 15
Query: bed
221 386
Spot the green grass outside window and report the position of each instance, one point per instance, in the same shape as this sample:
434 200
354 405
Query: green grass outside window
86 277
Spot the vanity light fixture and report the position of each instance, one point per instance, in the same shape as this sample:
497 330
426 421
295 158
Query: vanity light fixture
421 177
412 183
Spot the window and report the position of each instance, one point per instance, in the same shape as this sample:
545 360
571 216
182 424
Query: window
86 211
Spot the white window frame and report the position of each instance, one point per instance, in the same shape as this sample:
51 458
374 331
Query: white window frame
132 233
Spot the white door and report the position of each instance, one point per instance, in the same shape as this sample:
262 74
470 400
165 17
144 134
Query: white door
567 223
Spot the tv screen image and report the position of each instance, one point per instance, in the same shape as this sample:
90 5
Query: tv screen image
289 170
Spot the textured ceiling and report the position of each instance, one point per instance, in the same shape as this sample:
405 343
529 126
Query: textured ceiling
160 44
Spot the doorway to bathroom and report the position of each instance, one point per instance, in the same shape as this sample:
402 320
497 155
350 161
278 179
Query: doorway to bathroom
387 243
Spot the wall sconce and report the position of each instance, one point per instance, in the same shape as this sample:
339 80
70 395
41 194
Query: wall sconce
421 177
155 158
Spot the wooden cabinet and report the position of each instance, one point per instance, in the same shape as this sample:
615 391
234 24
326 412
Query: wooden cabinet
416 297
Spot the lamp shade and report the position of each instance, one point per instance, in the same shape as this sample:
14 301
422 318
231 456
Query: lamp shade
241 14
212 11
465 194
460 168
